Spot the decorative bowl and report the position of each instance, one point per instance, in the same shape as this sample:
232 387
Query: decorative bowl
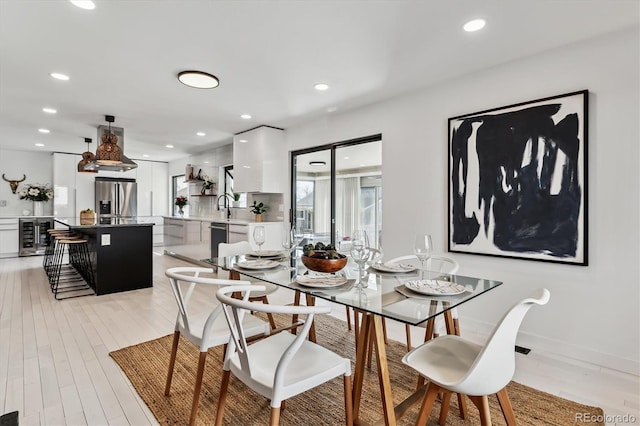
324 265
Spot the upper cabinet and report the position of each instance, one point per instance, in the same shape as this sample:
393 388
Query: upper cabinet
260 161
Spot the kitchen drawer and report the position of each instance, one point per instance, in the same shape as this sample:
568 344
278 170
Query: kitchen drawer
240 229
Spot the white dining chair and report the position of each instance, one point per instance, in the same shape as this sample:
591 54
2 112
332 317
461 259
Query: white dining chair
237 249
453 364
282 365
206 330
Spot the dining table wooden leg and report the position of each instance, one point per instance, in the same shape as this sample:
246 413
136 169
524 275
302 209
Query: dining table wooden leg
377 334
311 301
361 353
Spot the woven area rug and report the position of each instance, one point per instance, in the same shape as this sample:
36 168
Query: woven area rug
146 366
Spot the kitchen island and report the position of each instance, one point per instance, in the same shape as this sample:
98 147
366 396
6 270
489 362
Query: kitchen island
120 253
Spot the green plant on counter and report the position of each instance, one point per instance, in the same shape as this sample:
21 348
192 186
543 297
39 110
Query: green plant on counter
258 208
86 211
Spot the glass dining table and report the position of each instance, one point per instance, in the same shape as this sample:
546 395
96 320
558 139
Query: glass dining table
385 295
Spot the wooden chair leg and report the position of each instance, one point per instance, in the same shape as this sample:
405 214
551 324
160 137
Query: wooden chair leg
407 329
196 392
427 403
223 396
311 301
348 317
275 416
272 322
444 407
482 402
505 405
172 362
348 400
294 317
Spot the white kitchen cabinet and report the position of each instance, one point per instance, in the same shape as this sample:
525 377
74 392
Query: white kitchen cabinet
160 191
260 161
9 244
144 179
174 232
65 169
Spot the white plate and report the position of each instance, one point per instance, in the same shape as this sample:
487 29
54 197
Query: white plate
265 253
393 267
257 264
434 287
320 281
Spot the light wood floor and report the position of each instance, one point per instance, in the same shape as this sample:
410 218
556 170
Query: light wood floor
55 367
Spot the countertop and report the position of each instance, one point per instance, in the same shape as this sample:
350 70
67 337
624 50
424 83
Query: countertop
214 220
112 222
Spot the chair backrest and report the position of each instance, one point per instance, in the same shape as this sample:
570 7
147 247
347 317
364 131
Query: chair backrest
191 275
232 249
235 309
436 262
375 256
494 366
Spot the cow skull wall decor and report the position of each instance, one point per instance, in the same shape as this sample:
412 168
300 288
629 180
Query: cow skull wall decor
14 183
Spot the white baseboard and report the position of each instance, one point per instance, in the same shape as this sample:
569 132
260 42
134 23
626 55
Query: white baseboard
541 343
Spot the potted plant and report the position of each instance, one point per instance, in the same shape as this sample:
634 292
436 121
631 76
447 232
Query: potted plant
207 187
181 201
234 197
258 209
38 194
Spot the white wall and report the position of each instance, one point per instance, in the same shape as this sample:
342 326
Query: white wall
593 313
38 168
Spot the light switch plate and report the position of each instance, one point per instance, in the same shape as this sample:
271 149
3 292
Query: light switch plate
105 240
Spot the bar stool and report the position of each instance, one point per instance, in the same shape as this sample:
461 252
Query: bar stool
74 277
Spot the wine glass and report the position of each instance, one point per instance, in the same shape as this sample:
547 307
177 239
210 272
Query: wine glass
258 237
422 248
360 252
289 243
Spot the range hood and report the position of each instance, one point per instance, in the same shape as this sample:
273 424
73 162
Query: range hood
125 164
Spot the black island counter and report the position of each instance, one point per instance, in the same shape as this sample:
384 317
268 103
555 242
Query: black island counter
120 252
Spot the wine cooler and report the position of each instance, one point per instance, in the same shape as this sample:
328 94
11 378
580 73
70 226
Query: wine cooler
33 235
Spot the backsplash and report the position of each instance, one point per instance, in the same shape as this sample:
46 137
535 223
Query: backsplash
206 207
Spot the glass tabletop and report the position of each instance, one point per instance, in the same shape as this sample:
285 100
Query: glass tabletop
385 293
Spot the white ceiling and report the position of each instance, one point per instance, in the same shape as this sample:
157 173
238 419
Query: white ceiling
123 58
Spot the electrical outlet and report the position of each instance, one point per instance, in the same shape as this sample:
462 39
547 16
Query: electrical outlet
105 240
3 203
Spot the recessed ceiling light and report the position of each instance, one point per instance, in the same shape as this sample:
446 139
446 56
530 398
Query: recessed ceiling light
361 165
243 141
201 134
44 130
206 162
39 144
145 155
247 167
169 146
49 110
198 79
474 25
332 109
59 76
246 116
346 158
317 163
84 4
321 86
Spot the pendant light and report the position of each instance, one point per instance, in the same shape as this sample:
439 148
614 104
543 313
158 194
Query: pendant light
87 157
109 152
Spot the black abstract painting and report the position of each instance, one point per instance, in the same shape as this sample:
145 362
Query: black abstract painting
518 178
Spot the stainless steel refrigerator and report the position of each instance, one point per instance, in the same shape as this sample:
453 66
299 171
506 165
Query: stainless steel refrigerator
116 199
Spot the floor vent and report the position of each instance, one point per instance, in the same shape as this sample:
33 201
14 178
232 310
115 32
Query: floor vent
522 350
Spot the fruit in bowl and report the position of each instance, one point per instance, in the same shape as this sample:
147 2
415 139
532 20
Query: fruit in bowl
321 258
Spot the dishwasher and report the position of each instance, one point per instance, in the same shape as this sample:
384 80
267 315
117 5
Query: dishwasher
218 235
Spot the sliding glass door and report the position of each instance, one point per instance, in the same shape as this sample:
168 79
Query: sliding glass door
337 189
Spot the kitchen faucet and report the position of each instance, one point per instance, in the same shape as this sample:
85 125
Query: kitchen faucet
226 202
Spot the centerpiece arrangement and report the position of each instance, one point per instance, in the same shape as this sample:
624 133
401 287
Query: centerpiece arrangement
323 258
37 193
181 201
